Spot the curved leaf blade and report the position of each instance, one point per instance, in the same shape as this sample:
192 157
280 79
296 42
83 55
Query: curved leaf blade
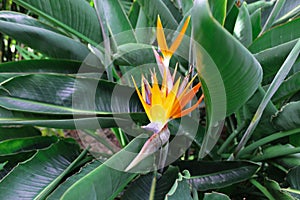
286 32
65 14
116 20
40 39
18 132
154 8
25 144
34 93
240 77
104 173
40 171
288 117
140 188
288 88
227 84
44 66
217 174
243 28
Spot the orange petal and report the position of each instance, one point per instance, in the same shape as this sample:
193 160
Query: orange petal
161 39
156 93
190 109
189 95
184 100
178 39
184 86
169 103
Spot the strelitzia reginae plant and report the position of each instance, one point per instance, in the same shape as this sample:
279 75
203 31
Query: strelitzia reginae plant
167 101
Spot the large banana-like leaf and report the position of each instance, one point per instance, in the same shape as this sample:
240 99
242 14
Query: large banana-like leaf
159 7
25 144
18 132
110 174
66 95
288 117
276 36
211 175
33 33
75 16
238 69
140 189
44 66
8 117
41 174
114 17
229 74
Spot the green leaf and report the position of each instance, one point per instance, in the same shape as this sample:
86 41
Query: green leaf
116 20
134 54
65 14
230 5
289 10
217 174
18 132
173 8
240 77
180 189
277 81
286 32
2 165
271 60
14 159
262 189
293 178
134 13
58 192
293 193
276 151
45 66
140 188
290 161
8 117
218 9
19 18
288 117
25 144
288 88
272 16
126 5
269 139
253 7
35 93
215 196
185 5
256 23
275 190
42 171
144 33
264 127
154 8
109 174
231 18
243 28
226 85
39 38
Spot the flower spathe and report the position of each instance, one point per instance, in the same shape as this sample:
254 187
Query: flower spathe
166 101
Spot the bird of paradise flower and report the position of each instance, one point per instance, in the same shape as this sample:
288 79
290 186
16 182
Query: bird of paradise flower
166 102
